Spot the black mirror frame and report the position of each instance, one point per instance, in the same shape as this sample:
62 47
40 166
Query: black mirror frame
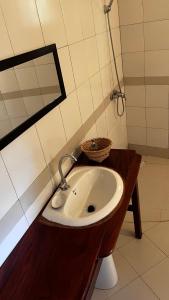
22 58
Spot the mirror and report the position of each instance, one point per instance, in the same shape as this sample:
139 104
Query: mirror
31 84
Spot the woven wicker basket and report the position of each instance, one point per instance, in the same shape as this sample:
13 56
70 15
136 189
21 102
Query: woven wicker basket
100 151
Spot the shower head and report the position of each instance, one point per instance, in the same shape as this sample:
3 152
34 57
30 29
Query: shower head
107 7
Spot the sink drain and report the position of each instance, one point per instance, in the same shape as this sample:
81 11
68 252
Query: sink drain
91 208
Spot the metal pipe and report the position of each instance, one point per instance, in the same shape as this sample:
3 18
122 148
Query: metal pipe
117 95
63 184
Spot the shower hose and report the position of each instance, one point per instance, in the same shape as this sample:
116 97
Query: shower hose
118 95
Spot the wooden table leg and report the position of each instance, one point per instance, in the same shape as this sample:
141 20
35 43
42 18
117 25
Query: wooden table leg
136 212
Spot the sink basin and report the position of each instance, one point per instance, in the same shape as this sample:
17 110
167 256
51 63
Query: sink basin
93 194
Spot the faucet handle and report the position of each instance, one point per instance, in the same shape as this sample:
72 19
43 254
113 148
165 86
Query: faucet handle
73 157
63 184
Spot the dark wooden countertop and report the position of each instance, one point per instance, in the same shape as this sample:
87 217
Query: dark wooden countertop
56 263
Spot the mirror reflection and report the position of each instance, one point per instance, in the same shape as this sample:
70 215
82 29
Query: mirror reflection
25 89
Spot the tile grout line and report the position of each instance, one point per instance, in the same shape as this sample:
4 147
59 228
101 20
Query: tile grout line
8 34
18 199
149 267
40 22
145 90
167 255
128 284
145 22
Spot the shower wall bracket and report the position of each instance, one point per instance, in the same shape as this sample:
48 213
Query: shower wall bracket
115 95
107 8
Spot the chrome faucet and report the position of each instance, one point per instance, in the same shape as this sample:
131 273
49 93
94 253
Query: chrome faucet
63 184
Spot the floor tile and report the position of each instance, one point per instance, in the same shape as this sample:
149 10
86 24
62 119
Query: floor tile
99 295
125 272
159 235
153 194
165 215
148 225
154 191
155 160
126 234
157 279
141 254
128 217
136 290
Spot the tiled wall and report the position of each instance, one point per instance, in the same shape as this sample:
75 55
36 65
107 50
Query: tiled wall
28 166
144 28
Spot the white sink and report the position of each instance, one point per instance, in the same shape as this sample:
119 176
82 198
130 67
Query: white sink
95 189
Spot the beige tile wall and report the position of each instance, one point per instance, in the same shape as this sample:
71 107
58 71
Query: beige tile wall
144 26
28 166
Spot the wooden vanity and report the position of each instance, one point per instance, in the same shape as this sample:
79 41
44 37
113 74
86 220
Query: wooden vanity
54 262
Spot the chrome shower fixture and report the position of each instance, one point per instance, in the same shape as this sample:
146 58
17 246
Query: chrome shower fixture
107 8
117 95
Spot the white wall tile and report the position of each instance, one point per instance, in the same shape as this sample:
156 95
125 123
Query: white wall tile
118 137
114 14
92 56
8 195
86 16
51 133
51 19
136 135
156 35
33 104
144 27
85 101
136 116
3 111
111 116
157 118
39 203
155 10
72 20
96 89
92 133
24 160
130 11
103 49
8 81
6 49
67 71
99 16
27 78
157 63
15 107
117 42
135 96
16 121
27 36
106 80
157 138
5 127
119 68
48 98
157 96
133 64
71 115
101 125
132 38
46 74
79 62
